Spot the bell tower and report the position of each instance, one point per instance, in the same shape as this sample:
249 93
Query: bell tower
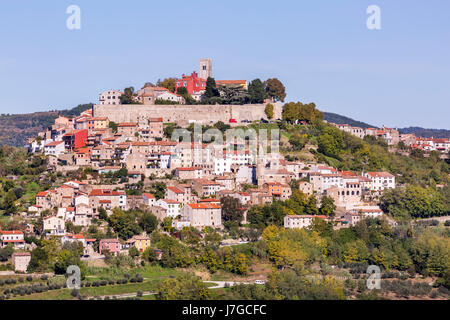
205 68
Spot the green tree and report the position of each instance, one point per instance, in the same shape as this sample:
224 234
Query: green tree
148 222
327 206
133 252
183 287
113 126
269 111
124 224
232 210
311 206
256 91
275 89
211 89
168 83
128 96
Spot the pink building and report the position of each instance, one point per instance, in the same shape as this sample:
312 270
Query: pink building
112 245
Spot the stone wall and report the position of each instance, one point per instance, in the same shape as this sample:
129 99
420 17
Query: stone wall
181 114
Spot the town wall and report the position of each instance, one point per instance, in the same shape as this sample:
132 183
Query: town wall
182 114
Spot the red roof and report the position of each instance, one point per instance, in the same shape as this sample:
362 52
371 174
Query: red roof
175 189
127 124
11 232
380 174
203 206
54 143
105 192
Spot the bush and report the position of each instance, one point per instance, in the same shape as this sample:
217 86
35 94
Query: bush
74 293
44 277
447 223
111 282
29 278
139 294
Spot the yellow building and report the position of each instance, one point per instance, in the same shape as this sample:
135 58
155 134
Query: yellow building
98 123
140 242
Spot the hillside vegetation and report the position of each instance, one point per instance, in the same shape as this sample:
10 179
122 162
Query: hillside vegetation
15 129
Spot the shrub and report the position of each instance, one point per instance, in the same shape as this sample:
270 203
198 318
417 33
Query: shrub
74 293
44 277
139 294
29 278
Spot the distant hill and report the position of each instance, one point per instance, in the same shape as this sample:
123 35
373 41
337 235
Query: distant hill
15 129
427 133
338 119
418 131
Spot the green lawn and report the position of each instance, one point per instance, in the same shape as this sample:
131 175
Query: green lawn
152 276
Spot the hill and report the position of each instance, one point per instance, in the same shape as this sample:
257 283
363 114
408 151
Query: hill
338 119
15 129
418 131
426 133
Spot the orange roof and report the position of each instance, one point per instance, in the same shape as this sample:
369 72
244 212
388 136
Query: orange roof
209 200
149 195
219 82
380 174
105 192
189 169
127 124
175 189
203 206
54 143
170 201
11 232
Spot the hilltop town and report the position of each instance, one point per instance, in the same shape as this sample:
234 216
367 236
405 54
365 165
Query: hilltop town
118 174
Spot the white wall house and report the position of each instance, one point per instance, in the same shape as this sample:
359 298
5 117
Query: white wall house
381 180
110 97
173 207
54 148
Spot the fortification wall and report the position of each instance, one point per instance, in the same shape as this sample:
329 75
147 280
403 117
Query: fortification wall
181 114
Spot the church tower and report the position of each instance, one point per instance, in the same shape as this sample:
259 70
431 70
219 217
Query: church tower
205 68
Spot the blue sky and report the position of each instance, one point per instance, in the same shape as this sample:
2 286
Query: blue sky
321 50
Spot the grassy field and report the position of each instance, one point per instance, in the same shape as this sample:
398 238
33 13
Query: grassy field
152 276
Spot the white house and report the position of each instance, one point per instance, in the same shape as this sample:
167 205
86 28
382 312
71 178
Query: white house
299 221
54 225
110 97
173 207
54 148
149 199
13 237
202 215
381 180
